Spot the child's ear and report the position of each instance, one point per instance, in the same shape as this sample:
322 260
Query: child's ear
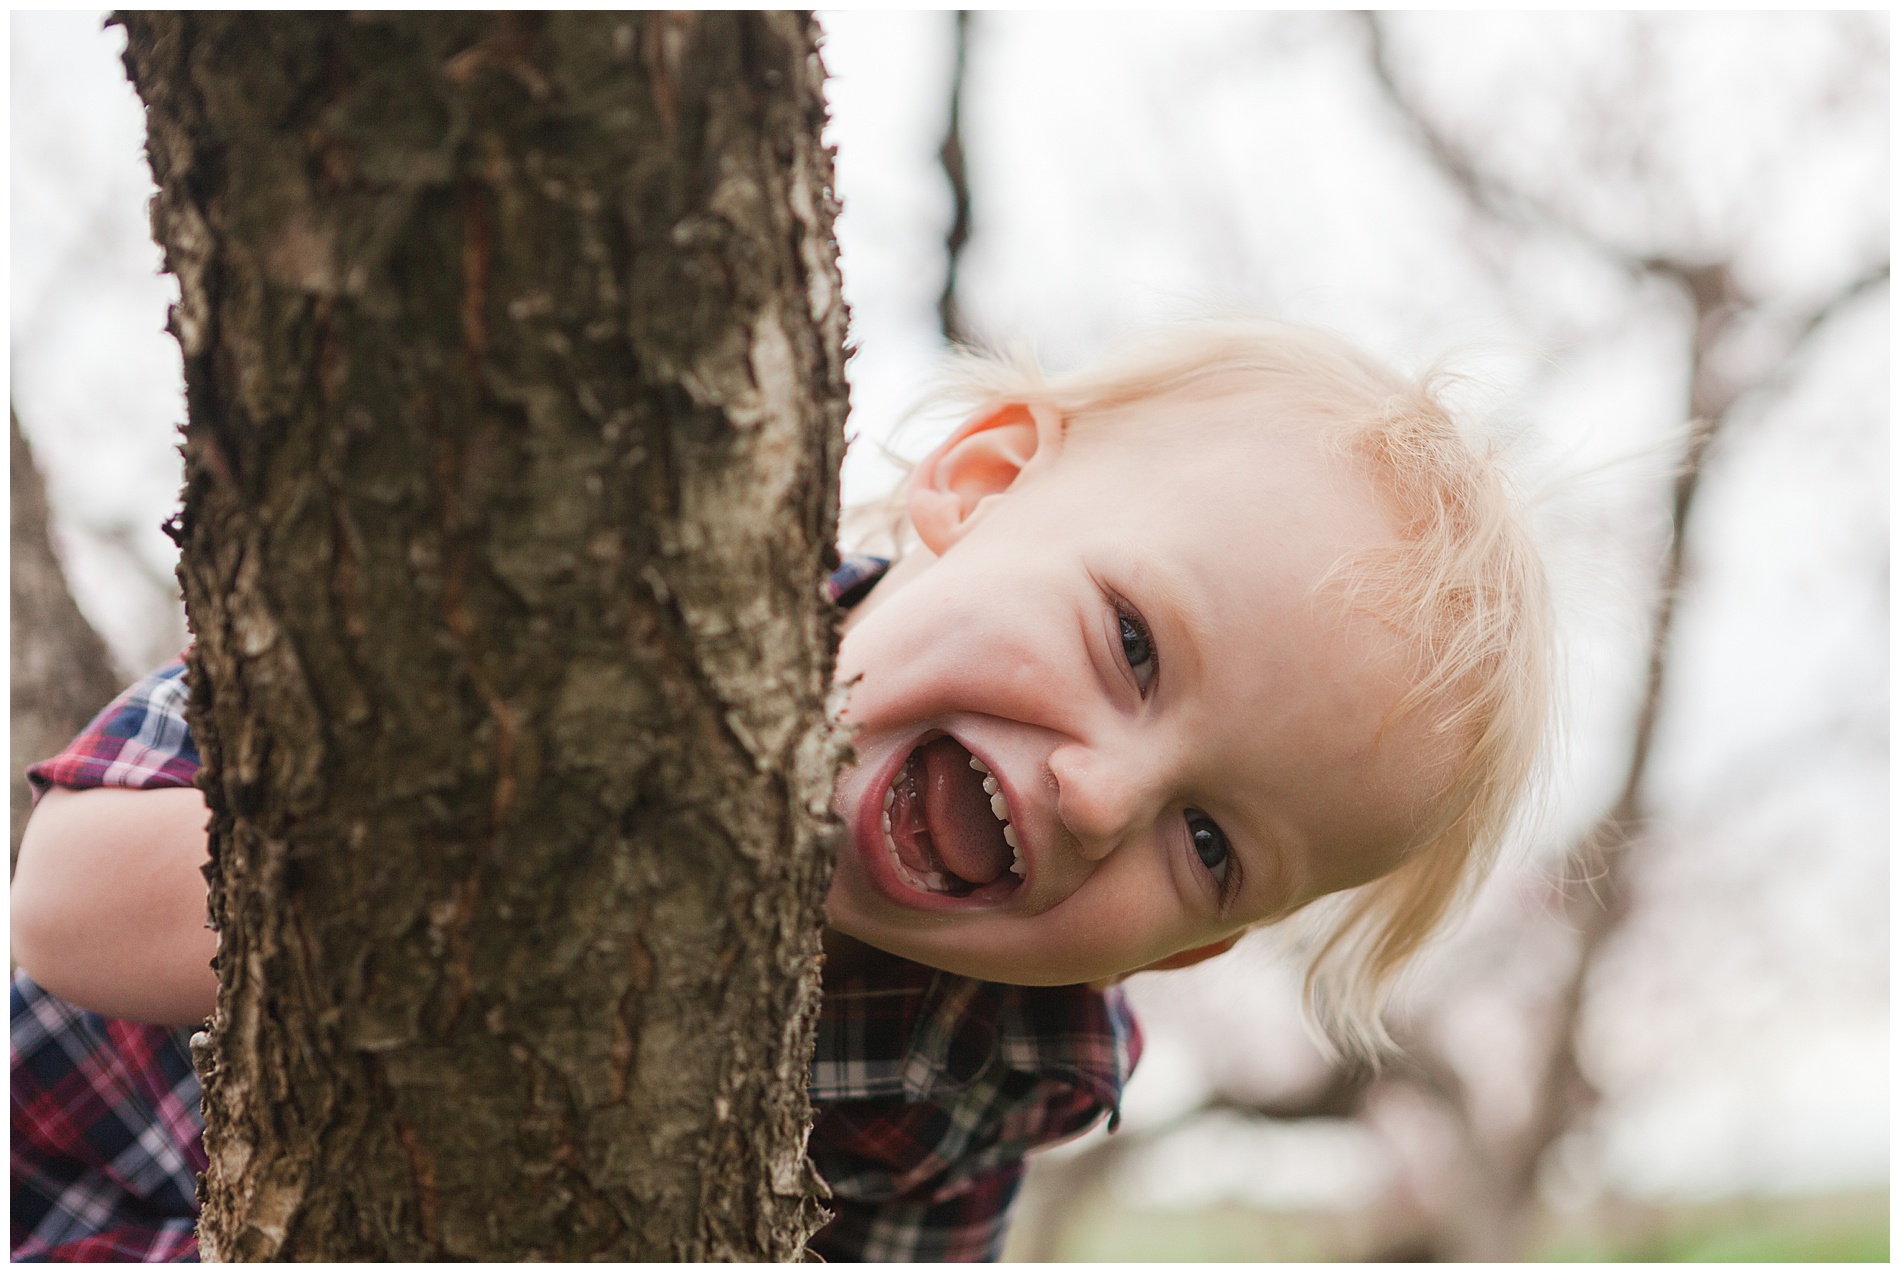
981 459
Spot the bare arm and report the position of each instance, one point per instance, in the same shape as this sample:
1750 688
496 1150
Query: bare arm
108 902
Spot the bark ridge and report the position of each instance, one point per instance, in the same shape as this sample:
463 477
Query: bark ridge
514 358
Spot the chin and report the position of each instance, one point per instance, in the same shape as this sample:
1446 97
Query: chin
930 940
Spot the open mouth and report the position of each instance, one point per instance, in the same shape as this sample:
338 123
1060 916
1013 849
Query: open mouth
947 828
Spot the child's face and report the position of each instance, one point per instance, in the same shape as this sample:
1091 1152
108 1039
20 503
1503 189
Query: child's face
1121 625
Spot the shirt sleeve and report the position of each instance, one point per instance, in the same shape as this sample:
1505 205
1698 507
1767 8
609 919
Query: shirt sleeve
140 740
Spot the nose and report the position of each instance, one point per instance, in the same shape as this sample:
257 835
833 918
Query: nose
1099 801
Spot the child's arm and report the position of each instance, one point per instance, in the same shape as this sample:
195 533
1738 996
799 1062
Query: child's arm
108 902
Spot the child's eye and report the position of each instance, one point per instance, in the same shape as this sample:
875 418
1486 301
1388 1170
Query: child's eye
1138 649
1210 845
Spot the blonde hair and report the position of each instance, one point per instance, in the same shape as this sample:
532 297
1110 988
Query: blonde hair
1464 586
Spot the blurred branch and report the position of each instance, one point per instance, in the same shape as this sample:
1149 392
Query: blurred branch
1486 1212
1600 861
146 588
1062 1182
59 669
122 538
1342 1095
1807 328
1486 191
1711 286
1840 300
950 155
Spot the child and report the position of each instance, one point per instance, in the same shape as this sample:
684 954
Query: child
1181 646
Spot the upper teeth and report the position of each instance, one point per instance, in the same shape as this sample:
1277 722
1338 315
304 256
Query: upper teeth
999 805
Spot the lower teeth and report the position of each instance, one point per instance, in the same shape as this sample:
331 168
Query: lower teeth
935 881
932 881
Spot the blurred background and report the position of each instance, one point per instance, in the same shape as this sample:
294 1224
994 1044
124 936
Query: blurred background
1655 249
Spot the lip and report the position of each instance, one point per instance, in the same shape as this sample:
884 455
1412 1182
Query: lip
869 838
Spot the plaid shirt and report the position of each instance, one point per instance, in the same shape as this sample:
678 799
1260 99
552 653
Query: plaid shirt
929 1088
139 740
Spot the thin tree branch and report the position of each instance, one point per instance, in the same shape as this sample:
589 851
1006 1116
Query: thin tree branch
1485 191
1601 858
950 155
1604 854
1840 300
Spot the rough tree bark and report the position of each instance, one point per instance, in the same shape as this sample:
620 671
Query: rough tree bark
514 358
61 672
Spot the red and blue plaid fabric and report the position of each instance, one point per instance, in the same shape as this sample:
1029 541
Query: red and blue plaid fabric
853 578
107 1135
929 1088
139 740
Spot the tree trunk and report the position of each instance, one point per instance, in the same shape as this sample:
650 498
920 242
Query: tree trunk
514 357
61 672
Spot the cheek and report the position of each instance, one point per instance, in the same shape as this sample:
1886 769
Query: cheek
926 661
909 623
1133 907
892 653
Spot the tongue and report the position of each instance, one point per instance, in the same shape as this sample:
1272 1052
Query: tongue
965 833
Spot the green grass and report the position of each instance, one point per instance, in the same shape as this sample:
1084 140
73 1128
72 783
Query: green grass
1842 1228
1834 1229
1227 1233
